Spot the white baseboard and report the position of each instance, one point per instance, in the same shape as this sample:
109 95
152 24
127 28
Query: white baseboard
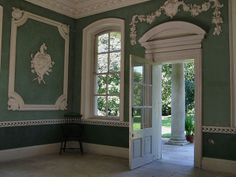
219 165
31 151
106 150
26 152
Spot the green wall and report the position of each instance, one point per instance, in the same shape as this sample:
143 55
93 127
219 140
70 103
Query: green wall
37 34
28 43
16 137
216 67
216 78
223 148
216 70
106 135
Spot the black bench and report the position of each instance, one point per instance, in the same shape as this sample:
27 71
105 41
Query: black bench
72 130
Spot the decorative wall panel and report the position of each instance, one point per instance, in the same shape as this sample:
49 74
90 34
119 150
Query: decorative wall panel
32 36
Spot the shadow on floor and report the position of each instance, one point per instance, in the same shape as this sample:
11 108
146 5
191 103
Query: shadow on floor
181 155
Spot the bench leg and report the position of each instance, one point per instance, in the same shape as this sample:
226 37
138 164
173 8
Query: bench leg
61 147
81 147
64 148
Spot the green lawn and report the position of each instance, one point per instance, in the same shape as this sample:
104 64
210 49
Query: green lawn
166 126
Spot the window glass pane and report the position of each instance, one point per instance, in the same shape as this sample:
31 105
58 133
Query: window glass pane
103 43
137 119
100 106
101 84
115 41
114 62
102 63
147 117
113 106
113 82
138 74
138 95
148 95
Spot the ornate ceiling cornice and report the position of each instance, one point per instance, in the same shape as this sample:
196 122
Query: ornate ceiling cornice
81 8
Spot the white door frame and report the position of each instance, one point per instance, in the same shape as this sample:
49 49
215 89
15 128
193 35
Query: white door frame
174 42
181 56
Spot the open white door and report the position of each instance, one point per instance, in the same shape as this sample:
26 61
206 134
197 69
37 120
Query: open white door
144 131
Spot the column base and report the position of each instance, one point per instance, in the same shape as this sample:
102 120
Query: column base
177 142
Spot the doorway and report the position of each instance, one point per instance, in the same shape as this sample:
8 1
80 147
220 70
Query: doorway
170 42
178 114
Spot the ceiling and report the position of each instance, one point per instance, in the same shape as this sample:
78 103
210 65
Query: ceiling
81 8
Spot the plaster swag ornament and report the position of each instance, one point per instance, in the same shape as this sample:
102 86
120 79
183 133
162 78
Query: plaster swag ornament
41 63
171 7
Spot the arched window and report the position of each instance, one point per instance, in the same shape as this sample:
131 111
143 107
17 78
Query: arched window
102 70
107 74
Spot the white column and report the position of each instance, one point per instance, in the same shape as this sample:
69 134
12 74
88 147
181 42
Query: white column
177 105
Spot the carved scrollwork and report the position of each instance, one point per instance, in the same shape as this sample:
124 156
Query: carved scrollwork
13 104
17 14
61 103
171 7
65 29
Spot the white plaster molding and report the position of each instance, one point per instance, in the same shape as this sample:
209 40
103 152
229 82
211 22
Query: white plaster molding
27 152
26 123
1 25
174 42
172 36
214 129
80 8
88 62
41 63
232 39
16 102
219 165
171 7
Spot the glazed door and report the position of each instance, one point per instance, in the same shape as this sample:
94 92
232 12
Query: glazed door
142 138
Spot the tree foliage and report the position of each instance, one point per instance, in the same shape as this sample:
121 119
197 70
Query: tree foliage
166 89
189 88
107 88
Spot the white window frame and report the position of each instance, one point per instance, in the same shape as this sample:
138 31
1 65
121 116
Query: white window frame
106 73
88 58
232 40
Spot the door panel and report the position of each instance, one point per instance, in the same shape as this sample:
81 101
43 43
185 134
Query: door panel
142 134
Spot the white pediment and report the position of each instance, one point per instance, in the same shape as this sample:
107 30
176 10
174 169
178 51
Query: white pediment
81 8
172 36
